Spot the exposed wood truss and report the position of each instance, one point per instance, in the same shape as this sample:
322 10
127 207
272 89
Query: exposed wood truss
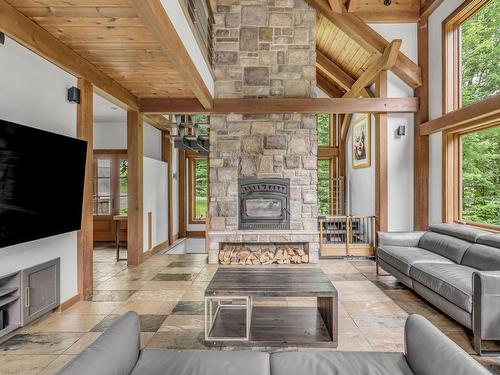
429 7
352 6
334 72
374 11
325 85
153 14
261 106
370 40
159 122
337 5
384 62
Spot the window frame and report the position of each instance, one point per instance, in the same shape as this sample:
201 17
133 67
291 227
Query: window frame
191 160
452 172
451 53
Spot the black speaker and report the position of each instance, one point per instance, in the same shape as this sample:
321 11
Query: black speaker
74 95
4 319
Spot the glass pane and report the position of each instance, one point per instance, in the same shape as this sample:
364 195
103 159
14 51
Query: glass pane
104 186
263 207
323 168
123 186
481 176
103 167
323 123
201 185
104 205
324 197
480 49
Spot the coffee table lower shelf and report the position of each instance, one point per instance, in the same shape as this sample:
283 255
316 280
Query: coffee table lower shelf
271 326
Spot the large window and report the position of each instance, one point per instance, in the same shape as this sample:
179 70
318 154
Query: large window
471 53
324 187
323 123
480 176
198 189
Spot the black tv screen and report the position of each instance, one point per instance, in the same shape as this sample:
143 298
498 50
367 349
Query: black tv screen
41 183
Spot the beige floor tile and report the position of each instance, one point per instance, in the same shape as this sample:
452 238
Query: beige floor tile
143 308
165 285
175 323
372 308
93 308
170 295
57 364
24 364
67 323
87 339
146 338
193 295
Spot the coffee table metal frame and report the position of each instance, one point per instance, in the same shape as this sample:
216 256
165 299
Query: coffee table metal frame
222 303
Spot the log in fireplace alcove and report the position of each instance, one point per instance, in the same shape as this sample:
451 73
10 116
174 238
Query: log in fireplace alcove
263 253
264 203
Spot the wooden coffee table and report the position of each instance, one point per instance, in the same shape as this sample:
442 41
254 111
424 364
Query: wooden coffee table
231 318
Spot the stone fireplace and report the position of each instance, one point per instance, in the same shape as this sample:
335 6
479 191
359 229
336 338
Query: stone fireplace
263 48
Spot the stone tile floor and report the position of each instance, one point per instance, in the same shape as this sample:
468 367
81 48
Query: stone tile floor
167 292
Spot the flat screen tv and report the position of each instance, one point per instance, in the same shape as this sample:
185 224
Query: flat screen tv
41 183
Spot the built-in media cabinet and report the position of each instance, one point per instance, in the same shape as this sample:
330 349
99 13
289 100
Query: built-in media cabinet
28 294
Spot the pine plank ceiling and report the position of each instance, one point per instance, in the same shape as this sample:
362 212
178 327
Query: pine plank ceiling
111 36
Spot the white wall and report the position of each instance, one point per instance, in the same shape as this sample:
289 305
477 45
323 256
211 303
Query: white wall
175 192
152 142
33 92
361 188
435 104
399 150
155 188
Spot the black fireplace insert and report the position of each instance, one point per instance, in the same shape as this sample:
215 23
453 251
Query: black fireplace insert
264 203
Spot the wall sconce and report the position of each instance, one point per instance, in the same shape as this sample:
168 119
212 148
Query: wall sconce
401 131
2 38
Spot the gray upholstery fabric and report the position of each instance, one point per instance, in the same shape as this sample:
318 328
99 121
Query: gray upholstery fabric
171 362
482 257
402 258
339 363
486 286
451 281
430 352
490 240
113 353
396 273
408 239
462 316
447 246
461 231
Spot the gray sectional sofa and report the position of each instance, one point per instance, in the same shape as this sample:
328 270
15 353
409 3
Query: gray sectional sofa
454 267
117 352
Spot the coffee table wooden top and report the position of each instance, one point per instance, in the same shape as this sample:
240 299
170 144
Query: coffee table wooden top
270 282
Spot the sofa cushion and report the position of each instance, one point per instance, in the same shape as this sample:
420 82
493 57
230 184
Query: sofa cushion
490 240
483 258
175 362
115 352
447 246
339 363
402 258
451 281
461 231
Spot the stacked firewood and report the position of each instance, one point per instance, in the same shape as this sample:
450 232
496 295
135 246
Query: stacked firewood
243 255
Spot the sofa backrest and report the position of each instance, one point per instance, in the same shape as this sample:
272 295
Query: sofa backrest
115 352
492 240
461 231
482 257
447 246
431 352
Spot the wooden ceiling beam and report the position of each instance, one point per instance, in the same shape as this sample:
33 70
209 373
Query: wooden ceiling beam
352 6
159 122
156 19
333 71
329 88
264 106
337 6
487 110
429 7
28 33
370 40
344 127
384 62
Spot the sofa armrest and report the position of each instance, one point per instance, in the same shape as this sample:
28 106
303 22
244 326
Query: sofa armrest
406 239
486 304
115 352
431 352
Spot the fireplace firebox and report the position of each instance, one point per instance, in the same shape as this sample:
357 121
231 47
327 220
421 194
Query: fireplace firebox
264 203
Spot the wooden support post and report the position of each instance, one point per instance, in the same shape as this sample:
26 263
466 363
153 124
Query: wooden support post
166 150
135 243
381 204
85 241
183 195
421 142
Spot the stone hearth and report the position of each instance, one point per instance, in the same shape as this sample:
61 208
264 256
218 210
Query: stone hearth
263 49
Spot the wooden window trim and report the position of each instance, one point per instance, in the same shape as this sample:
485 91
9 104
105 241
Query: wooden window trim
115 156
452 173
192 198
452 53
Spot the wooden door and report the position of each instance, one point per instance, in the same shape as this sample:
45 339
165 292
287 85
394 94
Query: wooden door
110 194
